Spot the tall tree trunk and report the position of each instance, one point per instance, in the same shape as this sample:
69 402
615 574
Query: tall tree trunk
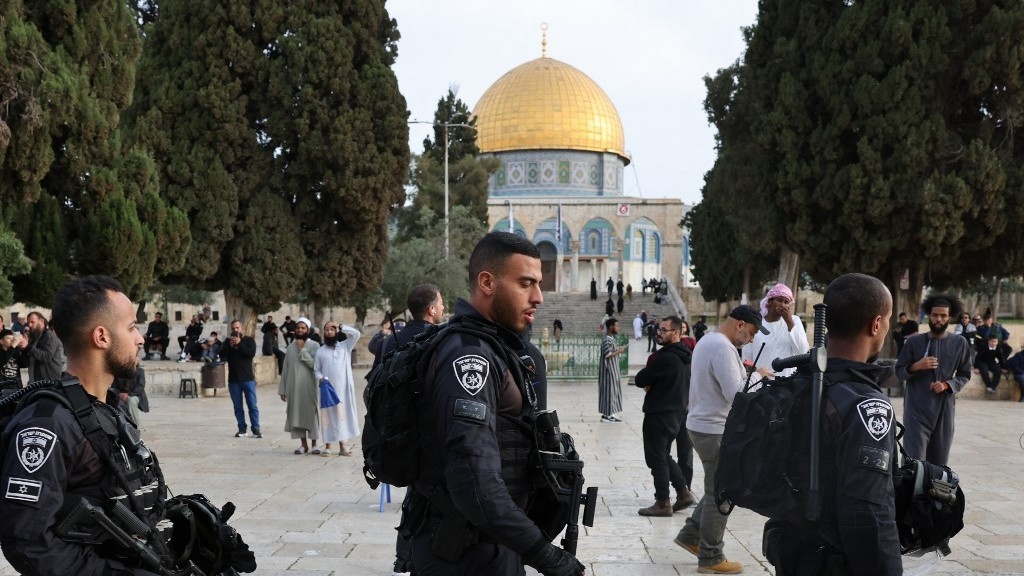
996 298
239 310
745 298
789 269
906 299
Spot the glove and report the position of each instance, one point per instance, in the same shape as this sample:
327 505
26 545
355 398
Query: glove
551 560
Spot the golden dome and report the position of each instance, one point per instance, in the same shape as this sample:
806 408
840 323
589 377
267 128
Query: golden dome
545 104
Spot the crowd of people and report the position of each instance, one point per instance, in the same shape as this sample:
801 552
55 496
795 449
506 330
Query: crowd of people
475 453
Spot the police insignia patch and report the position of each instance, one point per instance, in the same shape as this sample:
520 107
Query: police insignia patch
876 416
34 447
472 371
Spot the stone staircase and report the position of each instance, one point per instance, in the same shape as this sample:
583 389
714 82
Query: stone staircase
581 316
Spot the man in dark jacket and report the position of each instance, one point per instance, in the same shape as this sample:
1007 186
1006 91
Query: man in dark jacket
666 381
158 333
238 351
470 429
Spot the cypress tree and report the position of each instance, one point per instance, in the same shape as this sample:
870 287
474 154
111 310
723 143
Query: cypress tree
886 133
280 130
71 191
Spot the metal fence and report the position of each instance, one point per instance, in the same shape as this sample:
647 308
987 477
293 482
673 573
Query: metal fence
578 357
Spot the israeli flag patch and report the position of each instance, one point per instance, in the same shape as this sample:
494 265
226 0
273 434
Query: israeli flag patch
34 448
876 416
23 489
471 371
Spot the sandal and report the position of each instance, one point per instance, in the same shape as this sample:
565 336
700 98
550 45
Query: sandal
301 450
316 451
344 452
325 453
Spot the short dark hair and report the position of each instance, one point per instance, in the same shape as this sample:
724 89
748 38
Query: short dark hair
493 249
610 322
948 300
853 300
420 298
37 315
78 305
675 321
5 332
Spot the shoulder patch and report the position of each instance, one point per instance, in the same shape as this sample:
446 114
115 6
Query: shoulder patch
471 371
470 410
34 446
873 458
877 417
23 489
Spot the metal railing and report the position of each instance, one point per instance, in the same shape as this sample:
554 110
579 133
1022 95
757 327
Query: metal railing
578 357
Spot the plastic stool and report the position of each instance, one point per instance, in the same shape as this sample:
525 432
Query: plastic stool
187 389
385 492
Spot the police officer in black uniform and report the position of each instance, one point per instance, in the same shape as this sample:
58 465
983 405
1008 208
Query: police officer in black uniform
475 454
856 533
67 454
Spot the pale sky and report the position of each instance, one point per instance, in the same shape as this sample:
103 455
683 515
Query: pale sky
649 56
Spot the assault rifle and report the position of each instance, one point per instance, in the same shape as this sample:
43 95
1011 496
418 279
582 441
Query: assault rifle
563 471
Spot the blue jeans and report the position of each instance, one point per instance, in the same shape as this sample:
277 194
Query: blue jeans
237 389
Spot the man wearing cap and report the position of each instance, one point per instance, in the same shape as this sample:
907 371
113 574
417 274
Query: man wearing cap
936 366
717 374
787 338
299 389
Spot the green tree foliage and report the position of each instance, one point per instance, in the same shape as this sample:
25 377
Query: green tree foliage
279 129
78 198
417 260
885 134
720 263
467 173
12 262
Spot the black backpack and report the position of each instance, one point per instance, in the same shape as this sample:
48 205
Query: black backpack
390 430
752 472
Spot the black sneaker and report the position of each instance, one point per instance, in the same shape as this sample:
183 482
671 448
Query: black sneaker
240 434
256 433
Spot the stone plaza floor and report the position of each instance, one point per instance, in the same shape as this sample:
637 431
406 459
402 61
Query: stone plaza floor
310 515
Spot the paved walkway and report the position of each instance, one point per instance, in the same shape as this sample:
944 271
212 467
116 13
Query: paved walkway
310 515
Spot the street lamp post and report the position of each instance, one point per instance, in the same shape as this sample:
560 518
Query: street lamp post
446 126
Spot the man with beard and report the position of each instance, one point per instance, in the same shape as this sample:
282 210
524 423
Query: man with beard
51 461
666 383
333 367
299 390
787 338
936 366
856 533
43 352
238 352
475 467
